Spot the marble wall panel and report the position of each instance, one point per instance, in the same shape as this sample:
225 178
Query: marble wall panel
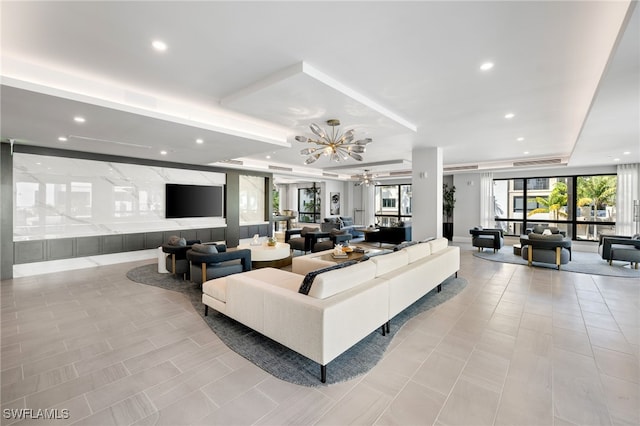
59 197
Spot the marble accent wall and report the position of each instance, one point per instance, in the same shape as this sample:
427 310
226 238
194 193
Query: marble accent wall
59 197
251 199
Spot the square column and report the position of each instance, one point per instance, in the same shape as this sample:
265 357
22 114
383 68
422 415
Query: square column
426 179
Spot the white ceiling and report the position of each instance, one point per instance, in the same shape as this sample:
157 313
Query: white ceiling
246 77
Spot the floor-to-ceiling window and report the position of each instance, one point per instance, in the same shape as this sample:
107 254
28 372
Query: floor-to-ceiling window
392 204
581 206
309 207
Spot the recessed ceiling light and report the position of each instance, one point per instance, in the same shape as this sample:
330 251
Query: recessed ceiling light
626 153
37 164
526 152
509 115
616 159
486 66
163 152
62 139
159 45
268 156
199 141
79 119
520 139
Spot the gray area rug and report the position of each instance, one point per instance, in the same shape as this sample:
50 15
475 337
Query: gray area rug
581 262
281 361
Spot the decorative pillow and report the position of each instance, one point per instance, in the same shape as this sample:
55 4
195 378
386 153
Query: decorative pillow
541 237
636 237
205 248
335 231
340 222
405 244
305 287
546 232
174 240
477 228
307 229
538 229
346 220
554 229
401 224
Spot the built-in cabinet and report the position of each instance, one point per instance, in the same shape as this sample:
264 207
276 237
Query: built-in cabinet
64 248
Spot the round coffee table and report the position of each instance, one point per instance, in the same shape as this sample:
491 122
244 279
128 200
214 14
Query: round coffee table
266 256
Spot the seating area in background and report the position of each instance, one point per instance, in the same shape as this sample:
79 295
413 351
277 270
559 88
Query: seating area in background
343 223
176 259
302 239
389 234
336 236
546 245
620 248
209 261
487 238
199 262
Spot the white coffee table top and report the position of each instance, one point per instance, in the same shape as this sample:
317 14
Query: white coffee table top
264 252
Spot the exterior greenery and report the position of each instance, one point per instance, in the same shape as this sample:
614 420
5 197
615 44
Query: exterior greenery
555 204
448 201
597 190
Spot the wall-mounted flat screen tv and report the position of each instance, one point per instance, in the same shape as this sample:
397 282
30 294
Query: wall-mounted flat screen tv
194 201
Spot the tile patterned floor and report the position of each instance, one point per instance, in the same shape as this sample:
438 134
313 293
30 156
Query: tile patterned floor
519 345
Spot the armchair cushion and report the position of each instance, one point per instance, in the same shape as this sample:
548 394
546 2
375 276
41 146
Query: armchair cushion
174 240
346 221
205 248
306 229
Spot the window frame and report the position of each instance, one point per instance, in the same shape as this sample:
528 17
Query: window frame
572 223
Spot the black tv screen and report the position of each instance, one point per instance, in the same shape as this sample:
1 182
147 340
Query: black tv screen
193 201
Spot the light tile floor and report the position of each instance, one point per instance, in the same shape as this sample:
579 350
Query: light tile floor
518 346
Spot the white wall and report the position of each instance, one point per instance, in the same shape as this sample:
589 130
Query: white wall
466 213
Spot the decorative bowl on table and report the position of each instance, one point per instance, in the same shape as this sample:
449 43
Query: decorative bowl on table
271 242
347 249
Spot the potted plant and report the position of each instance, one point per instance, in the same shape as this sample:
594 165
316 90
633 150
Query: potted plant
448 202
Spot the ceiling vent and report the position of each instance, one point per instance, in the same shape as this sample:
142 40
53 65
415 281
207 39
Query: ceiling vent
547 162
280 168
460 168
401 173
234 162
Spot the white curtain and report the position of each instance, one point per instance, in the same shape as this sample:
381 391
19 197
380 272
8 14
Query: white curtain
486 200
628 191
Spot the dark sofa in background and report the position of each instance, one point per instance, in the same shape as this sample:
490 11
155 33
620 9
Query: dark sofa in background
389 235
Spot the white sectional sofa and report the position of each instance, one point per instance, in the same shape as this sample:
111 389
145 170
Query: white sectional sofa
342 306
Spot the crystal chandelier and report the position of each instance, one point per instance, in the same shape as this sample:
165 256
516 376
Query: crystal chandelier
337 147
367 179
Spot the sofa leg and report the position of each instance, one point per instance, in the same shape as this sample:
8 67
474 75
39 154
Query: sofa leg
384 330
323 373
206 310
610 262
456 274
439 288
389 322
